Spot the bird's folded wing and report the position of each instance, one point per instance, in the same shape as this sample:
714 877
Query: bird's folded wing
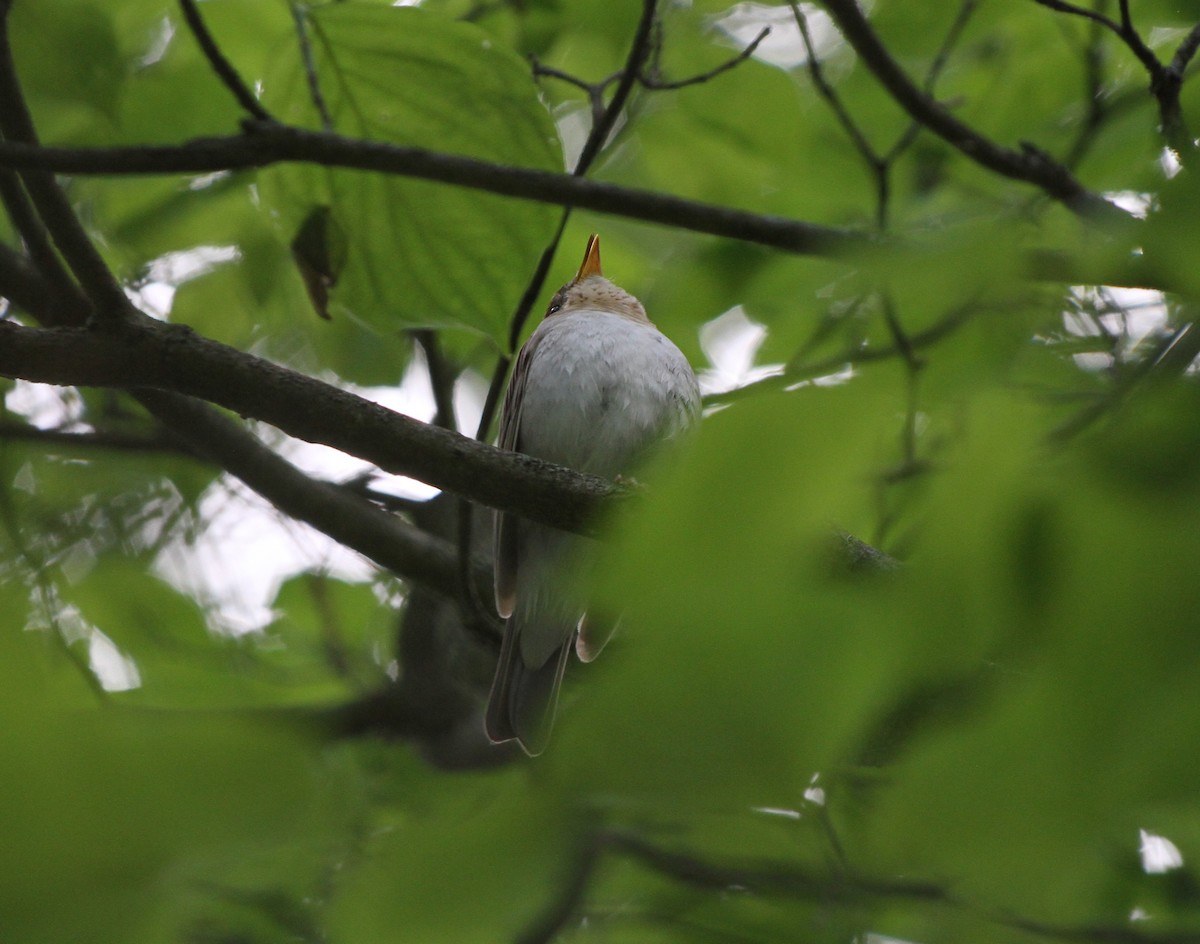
505 533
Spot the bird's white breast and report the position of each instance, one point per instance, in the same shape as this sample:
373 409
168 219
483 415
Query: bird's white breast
601 389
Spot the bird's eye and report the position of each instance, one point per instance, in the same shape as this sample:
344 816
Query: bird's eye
553 308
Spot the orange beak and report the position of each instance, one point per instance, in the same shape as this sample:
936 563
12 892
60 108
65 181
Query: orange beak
591 259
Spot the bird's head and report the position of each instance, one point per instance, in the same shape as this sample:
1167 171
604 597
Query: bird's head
591 290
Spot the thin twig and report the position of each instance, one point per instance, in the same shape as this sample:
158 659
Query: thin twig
1029 165
441 378
601 127
912 367
1174 353
940 60
98 439
1094 15
29 228
798 374
651 82
827 92
300 16
51 202
879 166
1165 80
1097 109
594 90
565 905
638 51
1123 30
1185 52
221 66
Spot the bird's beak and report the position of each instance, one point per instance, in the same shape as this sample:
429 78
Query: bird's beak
591 259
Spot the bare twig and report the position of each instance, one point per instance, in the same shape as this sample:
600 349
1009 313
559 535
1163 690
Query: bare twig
441 378
779 879
99 439
653 82
1166 81
879 165
300 16
51 203
826 91
1097 108
603 119
800 373
1124 30
565 905
1185 52
940 59
1174 353
639 49
1029 165
594 90
28 227
18 271
221 66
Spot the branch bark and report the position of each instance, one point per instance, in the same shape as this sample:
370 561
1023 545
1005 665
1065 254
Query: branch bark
267 144
148 354
1029 164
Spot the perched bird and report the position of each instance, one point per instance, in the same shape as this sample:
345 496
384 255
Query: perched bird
595 388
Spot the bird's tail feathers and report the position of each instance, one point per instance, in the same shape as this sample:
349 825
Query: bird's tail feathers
524 699
595 630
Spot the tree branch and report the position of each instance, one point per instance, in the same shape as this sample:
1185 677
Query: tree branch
52 204
639 49
332 509
781 879
1029 165
221 66
268 144
300 18
565 905
97 439
372 532
1166 81
657 84
150 354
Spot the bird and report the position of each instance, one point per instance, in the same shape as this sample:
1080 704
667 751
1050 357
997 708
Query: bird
596 388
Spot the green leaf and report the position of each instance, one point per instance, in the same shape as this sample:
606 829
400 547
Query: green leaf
419 254
735 680
123 814
495 846
68 56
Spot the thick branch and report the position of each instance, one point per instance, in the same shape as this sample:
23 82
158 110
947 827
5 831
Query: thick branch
201 430
168 357
343 516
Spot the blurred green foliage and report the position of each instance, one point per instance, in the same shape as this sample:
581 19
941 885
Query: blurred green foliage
773 749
